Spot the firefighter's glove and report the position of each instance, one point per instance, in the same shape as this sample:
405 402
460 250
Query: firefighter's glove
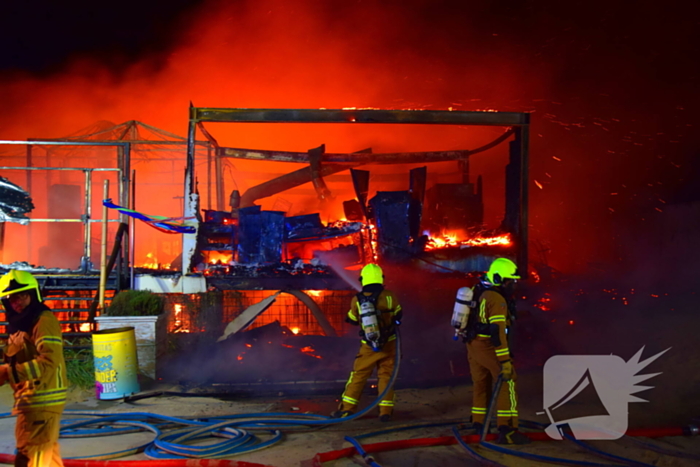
506 370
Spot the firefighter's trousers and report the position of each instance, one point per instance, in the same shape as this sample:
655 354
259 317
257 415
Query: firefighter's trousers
485 368
36 433
365 362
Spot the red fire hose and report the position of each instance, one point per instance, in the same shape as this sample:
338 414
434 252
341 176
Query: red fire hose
10 459
322 457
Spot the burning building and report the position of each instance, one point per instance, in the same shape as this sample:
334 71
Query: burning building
246 248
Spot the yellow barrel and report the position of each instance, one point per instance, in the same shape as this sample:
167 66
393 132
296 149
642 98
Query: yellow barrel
116 364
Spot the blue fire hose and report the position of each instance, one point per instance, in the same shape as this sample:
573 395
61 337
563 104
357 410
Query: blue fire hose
235 430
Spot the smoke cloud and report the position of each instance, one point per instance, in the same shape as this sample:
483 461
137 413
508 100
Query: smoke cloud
610 133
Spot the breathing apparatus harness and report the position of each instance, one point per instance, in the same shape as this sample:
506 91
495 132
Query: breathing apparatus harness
465 315
370 319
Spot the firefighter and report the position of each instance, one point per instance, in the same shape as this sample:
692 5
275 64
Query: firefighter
489 355
378 312
35 368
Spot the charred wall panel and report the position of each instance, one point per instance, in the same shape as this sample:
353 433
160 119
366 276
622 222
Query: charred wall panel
249 234
392 213
453 206
272 231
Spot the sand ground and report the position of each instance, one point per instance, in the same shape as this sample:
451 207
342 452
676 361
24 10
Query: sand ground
414 406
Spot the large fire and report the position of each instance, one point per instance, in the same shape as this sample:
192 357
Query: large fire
452 240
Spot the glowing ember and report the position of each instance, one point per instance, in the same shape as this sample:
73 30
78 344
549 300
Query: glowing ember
240 357
308 350
452 240
543 303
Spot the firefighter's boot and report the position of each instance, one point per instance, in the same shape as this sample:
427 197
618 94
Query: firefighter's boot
509 435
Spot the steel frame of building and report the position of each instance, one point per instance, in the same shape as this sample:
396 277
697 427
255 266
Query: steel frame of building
517 175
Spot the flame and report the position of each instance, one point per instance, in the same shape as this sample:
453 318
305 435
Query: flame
85 327
178 323
452 240
217 257
295 331
314 293
151 262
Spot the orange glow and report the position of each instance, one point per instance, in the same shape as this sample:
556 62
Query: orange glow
535 276
239 357
177 325
85 92
452 240
86 327
314 293
308 350
217 257
295 331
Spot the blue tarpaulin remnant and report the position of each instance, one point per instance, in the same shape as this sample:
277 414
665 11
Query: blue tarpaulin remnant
306 226
164 224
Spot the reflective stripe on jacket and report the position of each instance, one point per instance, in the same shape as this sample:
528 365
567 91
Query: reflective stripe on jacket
37 370
493 310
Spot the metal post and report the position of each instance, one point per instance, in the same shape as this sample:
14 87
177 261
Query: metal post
86 262
220 206
209 177
28 174
132 235
187 247
523 136
103 250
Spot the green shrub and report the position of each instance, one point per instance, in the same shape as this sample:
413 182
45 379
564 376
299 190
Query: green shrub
80 368
135 303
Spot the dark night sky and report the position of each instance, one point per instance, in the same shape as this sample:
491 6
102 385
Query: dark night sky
613 85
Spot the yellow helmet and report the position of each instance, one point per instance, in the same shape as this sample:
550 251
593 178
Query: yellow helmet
18 281
502 268
372 274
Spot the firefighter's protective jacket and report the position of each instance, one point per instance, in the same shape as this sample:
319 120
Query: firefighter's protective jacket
389 311
493 311
37 369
